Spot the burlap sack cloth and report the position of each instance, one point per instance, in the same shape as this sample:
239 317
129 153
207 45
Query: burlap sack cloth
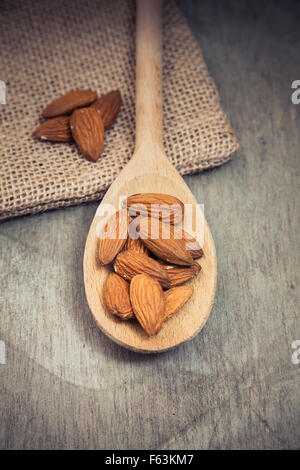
48 48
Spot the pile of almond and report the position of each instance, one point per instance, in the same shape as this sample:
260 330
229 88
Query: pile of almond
152 257
80 116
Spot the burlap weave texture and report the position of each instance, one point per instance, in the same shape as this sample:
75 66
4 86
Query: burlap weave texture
48 48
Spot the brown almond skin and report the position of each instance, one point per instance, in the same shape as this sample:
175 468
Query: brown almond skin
148 303
67 103
116 297
128 264
192 245
113 237
175 298
180 274
136 246
88 132
108 106
171 250
147 204
56 129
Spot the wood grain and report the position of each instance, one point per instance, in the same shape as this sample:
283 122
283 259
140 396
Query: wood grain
65 385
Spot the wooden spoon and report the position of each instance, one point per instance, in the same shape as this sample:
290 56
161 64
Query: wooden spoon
149 170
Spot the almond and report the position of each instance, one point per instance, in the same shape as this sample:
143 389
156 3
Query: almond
116 297
56 129
113 237
128 264
192 245
108 106
175 298
162 206
65 104
180 274
148 304
88 132
169 249
136 246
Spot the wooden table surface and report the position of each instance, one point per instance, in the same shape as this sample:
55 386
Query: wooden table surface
66 386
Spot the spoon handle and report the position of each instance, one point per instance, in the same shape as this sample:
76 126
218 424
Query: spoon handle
148 74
